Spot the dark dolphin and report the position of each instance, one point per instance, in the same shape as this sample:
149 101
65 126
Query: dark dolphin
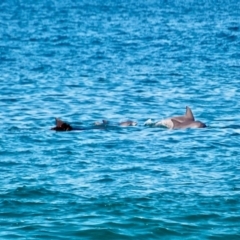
63 126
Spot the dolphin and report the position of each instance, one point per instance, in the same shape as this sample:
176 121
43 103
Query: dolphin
174 124
106 123
103 123
127 123
63 126
181 122
188 116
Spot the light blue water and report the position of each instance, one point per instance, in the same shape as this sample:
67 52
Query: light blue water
85 61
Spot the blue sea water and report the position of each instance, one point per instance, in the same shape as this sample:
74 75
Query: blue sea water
84 61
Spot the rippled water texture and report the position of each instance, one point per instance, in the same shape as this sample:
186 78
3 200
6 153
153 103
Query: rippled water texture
84 61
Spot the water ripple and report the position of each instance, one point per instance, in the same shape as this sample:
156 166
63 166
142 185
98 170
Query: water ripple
88 61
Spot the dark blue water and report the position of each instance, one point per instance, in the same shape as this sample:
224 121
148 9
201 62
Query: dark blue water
85 61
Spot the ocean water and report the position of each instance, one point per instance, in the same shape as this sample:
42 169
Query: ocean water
84 61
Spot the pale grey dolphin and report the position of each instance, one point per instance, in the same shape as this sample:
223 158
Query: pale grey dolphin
180 122
188 116
127 123
186 124
103 123
122 124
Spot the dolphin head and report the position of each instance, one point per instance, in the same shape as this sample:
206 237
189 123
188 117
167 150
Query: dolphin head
200 124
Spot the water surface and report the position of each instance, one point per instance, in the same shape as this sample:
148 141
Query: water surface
85 61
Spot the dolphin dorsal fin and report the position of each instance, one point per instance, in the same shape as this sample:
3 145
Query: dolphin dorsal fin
59 122
105 121
189 114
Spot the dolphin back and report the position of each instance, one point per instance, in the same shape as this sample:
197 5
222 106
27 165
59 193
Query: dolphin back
187 124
